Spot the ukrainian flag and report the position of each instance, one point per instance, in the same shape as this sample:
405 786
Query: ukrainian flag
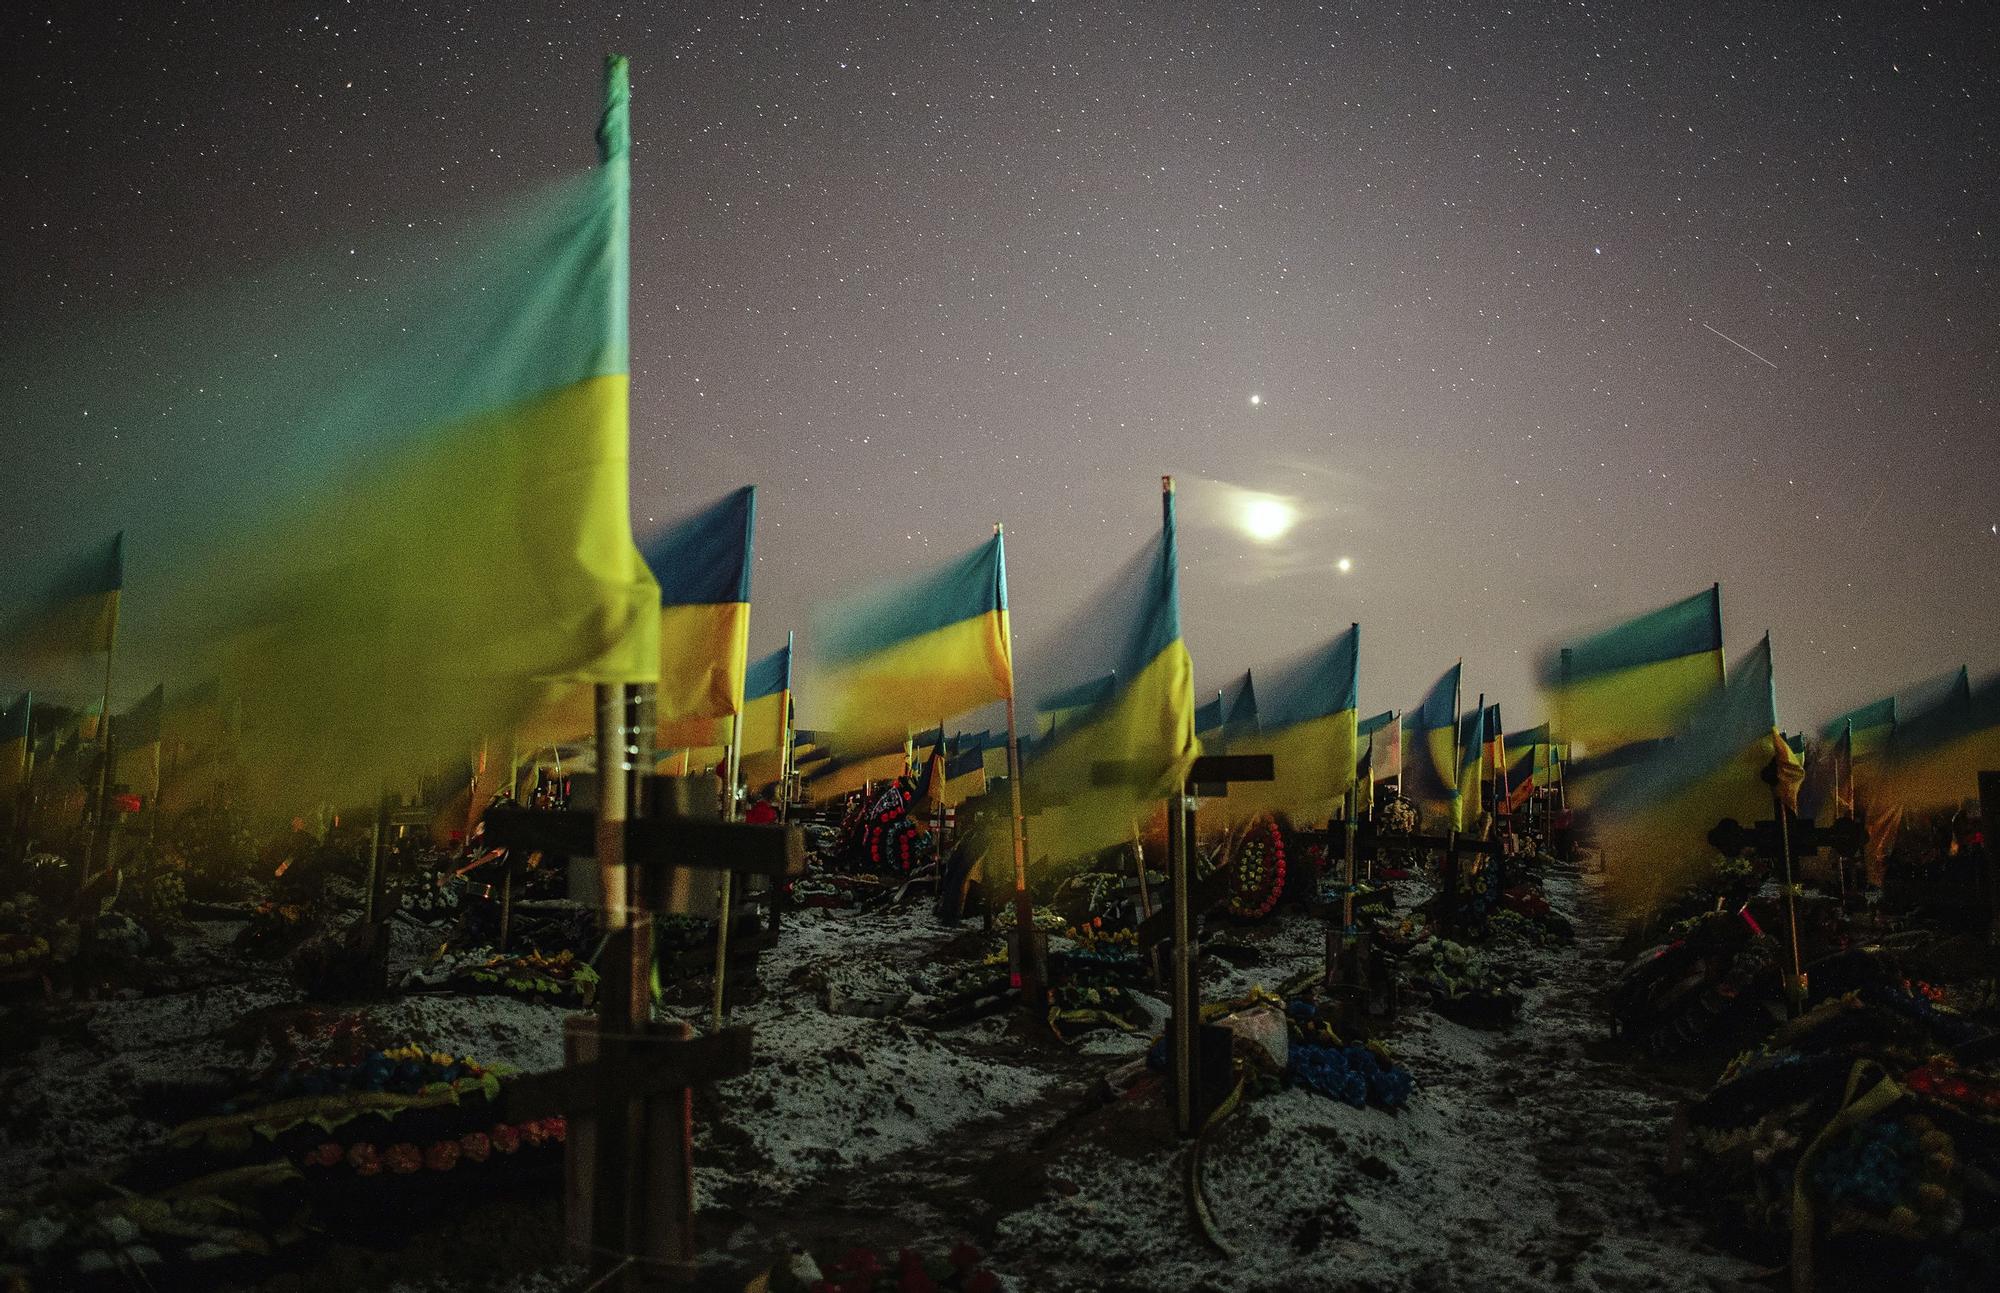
418 530
1936 753
965 768
1654 815
921 650
1430 775
14 751
767 716
197 736
1127 752
1059 710
836 777
702 564
1471 764
1310 728
1208 716
1243 719
1526 755
1375 746
75 615
1640 680
1866 731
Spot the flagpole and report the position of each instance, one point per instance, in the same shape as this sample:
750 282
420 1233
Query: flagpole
99 825
1024 912
727 883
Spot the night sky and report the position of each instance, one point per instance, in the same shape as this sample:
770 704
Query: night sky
1550 315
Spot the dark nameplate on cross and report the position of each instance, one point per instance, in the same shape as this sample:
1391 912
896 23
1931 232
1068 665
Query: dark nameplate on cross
689 843
647 1065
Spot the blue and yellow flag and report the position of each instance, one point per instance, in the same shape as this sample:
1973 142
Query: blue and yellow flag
1377 749
767 716
1471 764
399 517
1654 814
702 564
917 651
1243 719
1118 758
965 767
1430 771
197 745
1526 756
1208 716
1638 681
1942 742
1309 726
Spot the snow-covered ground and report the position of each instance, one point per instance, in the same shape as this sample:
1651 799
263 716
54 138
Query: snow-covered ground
1524 1160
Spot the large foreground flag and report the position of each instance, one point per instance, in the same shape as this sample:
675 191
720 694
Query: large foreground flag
1116 759
702 564
1654 814
1430 767
405 521
1639 681
905 656
1308 725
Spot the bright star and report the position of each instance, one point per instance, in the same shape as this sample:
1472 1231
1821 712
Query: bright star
1344 565
1256 400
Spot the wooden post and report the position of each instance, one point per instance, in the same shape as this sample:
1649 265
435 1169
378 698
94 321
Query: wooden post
726 882
625 1004
1989 829
1024 909
1795 986
1183 1018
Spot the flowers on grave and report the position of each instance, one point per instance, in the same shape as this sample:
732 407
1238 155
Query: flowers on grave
445 1154
538 977
863 1270
1355 1075
1259 879
398 1070
1890 1174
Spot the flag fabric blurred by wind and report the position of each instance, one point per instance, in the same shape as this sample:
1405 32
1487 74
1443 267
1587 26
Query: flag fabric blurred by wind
1430 772
908 654
1633 683
1654 814
395 513
1115 758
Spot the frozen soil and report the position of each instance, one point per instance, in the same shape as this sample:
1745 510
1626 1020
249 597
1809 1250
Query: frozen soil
1527 1158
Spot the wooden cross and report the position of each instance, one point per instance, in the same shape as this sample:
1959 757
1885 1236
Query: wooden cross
1194 1098
631 1166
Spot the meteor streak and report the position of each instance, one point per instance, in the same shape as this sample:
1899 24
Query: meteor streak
1740 346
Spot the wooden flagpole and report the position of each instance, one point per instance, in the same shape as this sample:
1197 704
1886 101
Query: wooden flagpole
1024 911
